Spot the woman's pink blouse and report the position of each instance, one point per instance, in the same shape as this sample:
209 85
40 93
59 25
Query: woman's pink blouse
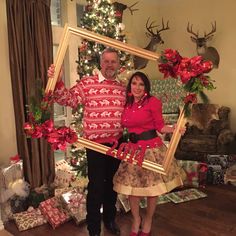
148 116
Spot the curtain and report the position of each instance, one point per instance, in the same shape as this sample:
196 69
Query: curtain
30 53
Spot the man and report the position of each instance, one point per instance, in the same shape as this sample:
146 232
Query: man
103 98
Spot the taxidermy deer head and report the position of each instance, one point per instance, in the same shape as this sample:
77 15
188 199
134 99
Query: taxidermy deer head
207 53
140 63
120 7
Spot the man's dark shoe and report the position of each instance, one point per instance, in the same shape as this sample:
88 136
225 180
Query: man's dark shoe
112 227
91 234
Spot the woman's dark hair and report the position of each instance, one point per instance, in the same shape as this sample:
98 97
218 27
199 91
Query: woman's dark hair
147 87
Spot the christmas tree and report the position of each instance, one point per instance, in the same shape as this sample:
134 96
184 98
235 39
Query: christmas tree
100 17
78 158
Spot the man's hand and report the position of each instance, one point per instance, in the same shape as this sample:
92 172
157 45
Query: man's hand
51 72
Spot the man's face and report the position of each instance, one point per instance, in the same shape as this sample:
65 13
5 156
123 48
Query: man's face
109 65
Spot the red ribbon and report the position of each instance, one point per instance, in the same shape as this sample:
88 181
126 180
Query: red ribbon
57 137
15 159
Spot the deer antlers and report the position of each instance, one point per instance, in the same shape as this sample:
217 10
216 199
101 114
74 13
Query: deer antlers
206 36
134 9
190 30
151 26
213 30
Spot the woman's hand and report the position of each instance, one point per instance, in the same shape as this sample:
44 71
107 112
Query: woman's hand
171 128
182 130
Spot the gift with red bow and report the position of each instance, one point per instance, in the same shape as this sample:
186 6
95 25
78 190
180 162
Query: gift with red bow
194 172
75 203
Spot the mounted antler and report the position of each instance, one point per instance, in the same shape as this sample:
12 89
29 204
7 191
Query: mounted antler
207 53
190 30
120 7
151 26
134 9
140 63
210 34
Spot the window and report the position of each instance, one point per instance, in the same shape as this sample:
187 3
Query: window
56 12
65 12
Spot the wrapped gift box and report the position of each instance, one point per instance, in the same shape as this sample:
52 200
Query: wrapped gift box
62 165
29 219
75 202
215 174
185 195
64 175
80 183
124 202
63 178
59 191
53 211
218 166
191 169
222 160
202 175
10 173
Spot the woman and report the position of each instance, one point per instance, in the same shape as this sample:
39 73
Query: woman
142 117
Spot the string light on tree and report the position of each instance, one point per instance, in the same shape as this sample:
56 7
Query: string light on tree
99 17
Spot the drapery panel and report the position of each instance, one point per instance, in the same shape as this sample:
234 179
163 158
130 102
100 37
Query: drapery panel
30 53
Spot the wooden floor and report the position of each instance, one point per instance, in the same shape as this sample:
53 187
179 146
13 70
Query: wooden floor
211 216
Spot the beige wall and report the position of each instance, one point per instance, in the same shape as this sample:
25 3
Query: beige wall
7 121
200 13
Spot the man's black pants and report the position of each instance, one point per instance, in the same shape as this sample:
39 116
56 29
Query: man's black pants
101 169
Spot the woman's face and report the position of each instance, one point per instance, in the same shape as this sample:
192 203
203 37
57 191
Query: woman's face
137 88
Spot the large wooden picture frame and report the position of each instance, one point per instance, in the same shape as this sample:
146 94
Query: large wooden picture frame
160 168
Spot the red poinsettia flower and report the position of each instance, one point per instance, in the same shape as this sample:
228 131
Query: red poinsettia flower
188 69
190 98
53 137
59 146
169 63
69 135
172 56
58 138
47 100
38 131
207 66
28 128
204 80
47 127
193 67
168 70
